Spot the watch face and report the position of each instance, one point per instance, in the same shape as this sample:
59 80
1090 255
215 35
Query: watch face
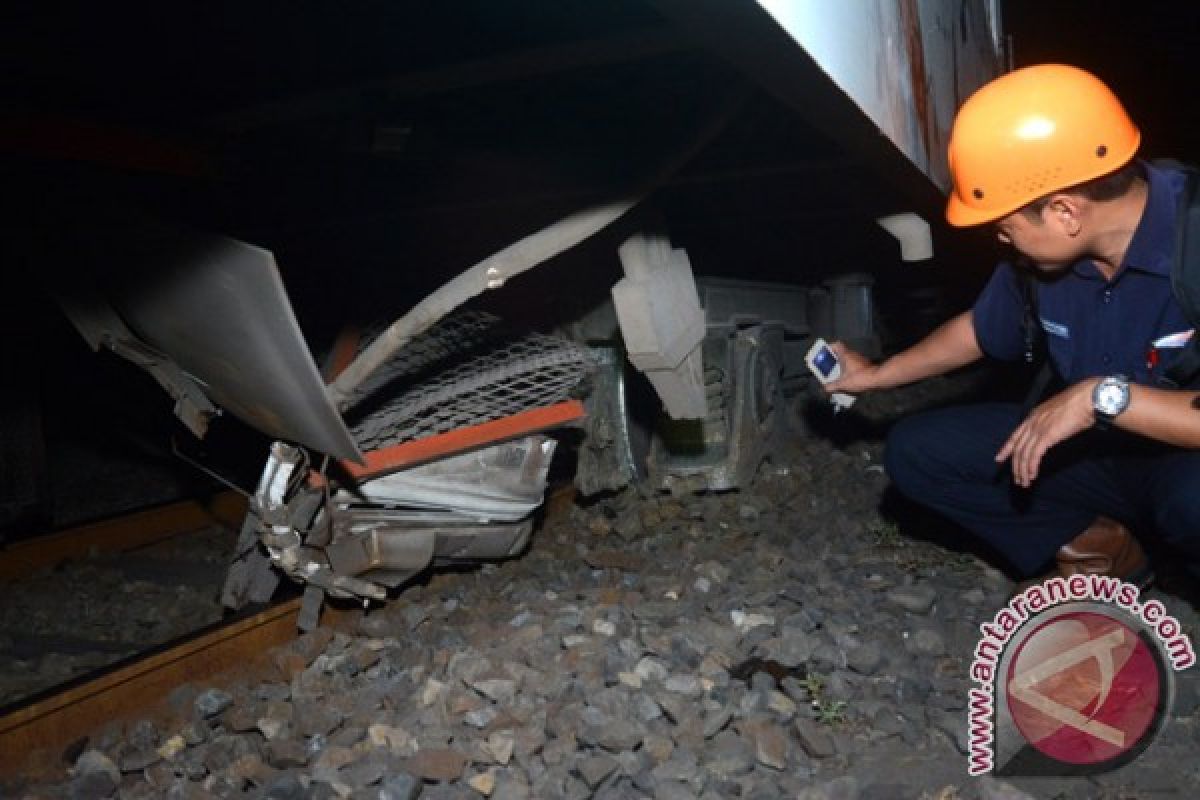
1111 397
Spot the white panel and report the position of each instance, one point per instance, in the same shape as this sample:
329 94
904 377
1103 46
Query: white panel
872 49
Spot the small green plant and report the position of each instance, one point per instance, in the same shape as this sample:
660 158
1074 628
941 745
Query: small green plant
814 684
885 533
831 712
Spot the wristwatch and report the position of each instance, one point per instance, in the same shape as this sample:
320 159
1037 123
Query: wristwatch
1109 399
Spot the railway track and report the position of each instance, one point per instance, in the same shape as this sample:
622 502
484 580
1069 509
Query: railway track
37 733
40 734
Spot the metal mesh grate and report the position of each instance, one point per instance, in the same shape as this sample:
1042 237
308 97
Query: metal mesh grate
451 337
464 372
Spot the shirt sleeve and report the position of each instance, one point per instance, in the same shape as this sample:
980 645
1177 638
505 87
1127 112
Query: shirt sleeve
998 315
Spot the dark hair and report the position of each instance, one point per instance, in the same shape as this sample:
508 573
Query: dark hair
1098 190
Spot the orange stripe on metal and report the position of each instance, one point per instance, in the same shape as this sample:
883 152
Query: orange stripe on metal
121 533
431 448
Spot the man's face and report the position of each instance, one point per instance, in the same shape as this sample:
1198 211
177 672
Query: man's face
1040 237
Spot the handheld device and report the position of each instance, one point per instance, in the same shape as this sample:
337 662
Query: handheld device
823 362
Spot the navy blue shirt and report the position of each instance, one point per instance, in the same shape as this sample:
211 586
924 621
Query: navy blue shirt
1130 325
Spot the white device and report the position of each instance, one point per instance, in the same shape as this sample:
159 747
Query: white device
823 362
825 365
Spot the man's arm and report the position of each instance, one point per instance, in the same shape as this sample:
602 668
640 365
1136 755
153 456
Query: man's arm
1167 415
951 346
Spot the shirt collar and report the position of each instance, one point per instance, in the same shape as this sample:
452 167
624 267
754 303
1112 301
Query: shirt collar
1153 244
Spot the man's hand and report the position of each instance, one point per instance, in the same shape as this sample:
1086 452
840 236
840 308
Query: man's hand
1067 413
858 373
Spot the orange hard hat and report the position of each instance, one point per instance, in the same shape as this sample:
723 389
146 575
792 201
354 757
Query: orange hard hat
1032 132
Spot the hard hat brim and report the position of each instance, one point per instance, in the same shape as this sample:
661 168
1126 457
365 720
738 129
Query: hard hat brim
961 215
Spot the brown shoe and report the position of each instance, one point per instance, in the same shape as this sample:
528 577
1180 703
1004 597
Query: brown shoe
1106 547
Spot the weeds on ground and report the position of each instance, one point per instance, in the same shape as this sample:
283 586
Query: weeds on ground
829 711
814 684
885 534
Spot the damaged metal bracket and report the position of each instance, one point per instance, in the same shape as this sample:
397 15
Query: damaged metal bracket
362 541
101 326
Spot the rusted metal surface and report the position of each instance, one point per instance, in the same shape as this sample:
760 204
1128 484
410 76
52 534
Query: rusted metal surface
123 533
914 48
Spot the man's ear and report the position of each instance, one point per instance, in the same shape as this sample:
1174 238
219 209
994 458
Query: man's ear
1066 211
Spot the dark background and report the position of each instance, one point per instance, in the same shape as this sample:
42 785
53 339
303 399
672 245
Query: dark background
371 200
1147 53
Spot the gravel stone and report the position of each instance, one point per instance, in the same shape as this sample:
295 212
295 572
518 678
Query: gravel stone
814 738
362 773
313 718
96 771
991 788
438 764
651 669
211 702
286 753
286 787
729 755
770 744
484 782
401 786
615 736
689 685
916 599
499 690
136 760
673 790
682 663
596 769
954 725
974 597
716 721
865 659
927 642
500 746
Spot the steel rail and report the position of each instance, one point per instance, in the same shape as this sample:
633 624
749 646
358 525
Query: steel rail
35 732
36 736
119 534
